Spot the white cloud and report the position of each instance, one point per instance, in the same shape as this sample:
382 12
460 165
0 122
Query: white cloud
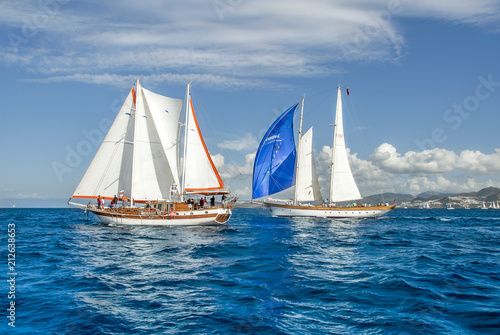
476 161
244 44
245 143
386 170
427 161
232 171
244 193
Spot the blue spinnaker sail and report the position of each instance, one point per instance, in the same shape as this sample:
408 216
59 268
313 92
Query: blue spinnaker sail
274 166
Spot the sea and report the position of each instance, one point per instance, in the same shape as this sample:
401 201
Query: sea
412 271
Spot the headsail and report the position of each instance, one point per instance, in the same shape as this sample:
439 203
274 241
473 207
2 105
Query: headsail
342 187
274 166
111 169
307 186
200 174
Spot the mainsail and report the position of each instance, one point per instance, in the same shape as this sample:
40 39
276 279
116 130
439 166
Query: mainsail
342 187
274 166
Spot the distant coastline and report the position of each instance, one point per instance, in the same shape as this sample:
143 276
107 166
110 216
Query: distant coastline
435 199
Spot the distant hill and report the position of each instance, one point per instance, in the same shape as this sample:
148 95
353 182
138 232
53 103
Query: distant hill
486 194
433 194
388 197
438 198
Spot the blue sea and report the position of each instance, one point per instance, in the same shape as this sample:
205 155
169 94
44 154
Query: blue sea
410 272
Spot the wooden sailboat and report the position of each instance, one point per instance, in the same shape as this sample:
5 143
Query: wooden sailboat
138 167
278 167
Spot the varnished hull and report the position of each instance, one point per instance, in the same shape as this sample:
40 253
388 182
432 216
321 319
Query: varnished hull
327 212
200 217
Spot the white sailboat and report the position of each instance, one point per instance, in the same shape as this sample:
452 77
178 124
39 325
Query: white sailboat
277 167
140 161
426 205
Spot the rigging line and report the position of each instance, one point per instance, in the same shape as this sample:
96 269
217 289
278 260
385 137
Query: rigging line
357 126
236 166
106 168
201 108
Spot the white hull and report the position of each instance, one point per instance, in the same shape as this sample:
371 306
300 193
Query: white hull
203 217
328 212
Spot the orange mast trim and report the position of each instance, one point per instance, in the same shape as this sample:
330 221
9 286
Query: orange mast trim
219 179
133 95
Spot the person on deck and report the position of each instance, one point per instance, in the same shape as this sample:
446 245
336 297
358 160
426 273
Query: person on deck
113 202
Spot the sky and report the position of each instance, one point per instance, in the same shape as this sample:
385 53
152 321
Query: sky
424 79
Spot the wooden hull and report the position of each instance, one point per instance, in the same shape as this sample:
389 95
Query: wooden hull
143 217
284 210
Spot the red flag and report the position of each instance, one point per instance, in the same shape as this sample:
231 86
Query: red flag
347 91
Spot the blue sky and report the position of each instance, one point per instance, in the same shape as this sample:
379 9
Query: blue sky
424 78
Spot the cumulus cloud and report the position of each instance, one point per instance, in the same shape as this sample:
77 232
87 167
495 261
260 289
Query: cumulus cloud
476 161
387 170
232 171
427 161
245 143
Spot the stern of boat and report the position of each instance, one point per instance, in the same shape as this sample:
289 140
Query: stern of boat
223 216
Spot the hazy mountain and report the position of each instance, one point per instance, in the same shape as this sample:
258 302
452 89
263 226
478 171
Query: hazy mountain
433 194
387 197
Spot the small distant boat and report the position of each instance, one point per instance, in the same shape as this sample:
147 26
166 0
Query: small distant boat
279 165
449 206
484 205
141 158
425 206
14 206
467 206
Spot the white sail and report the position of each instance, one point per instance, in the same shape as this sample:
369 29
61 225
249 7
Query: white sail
111 169
342 185
307 186
152 172
200 173
167 114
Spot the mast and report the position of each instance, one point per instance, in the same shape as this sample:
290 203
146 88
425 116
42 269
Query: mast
137 87
332 163
298 150
186 109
